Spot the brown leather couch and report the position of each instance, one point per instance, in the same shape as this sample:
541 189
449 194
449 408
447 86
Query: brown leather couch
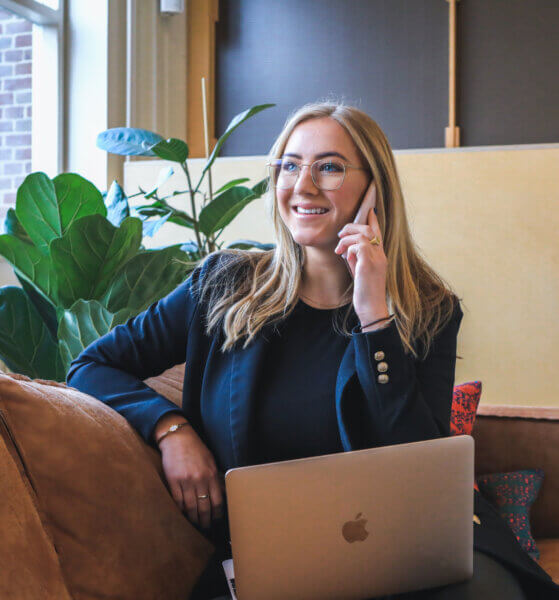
86 511
509 438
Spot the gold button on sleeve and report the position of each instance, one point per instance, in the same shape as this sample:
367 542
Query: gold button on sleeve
379 355
382 367
382 378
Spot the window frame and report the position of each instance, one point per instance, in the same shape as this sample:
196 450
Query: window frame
42 157
202 17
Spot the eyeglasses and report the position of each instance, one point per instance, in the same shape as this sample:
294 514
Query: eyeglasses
327 173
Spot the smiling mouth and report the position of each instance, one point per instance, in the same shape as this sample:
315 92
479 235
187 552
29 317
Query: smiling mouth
309 213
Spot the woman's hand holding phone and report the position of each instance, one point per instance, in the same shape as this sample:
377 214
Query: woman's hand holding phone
367 262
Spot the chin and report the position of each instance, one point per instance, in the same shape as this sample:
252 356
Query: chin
312 237
314 242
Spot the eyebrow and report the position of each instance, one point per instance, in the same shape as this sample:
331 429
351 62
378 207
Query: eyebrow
317 156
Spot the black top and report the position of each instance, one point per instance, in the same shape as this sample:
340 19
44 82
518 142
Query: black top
305 350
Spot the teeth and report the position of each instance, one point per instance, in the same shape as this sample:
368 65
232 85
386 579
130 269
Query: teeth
311 211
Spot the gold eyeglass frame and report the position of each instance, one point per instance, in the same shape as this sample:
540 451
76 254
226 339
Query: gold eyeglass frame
300 166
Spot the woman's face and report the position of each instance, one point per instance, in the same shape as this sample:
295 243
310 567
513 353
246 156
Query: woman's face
309 141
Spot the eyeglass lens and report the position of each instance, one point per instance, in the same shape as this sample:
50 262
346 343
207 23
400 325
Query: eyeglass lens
327 174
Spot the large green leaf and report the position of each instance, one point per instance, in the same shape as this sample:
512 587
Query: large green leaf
235 122
261 187
37 210
77 197
87 257
171 149
82 324
224 208
231 184
179 218
146 278
13 226
128 141
26 346
117 204
47 208
45 308
30 263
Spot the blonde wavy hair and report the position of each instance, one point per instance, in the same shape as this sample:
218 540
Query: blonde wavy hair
250 289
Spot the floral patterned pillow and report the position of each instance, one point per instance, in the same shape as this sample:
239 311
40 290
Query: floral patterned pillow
465 401
513 494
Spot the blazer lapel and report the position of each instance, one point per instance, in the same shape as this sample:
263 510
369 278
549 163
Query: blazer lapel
347 376
246 364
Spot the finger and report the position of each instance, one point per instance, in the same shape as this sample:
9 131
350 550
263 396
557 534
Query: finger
368 231
204 508
176 493
355 228
374 224
351 259
217 499
355 250
191 502
348 240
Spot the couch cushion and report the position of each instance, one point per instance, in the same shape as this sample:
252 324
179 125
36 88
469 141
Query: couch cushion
514 438
100 495
169 384
30 567
465 400
513 495
549 556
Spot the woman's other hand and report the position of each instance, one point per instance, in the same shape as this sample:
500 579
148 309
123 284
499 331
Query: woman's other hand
190 470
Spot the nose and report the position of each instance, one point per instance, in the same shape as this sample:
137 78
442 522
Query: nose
304 183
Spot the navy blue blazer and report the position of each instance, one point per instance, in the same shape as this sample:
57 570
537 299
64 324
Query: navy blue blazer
219 391
220 388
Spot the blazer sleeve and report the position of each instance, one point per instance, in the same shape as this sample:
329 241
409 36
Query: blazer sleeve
416 401
113 367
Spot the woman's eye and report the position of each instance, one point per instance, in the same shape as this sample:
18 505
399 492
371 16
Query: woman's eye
330 167
288 166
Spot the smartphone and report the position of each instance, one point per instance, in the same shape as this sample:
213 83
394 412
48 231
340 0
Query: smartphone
369 201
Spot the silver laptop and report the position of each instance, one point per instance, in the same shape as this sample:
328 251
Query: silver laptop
353 525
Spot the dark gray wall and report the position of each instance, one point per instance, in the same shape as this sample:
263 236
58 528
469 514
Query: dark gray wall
390 58
509 65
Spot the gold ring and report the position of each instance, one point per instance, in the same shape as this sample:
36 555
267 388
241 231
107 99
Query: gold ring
375 241
203 497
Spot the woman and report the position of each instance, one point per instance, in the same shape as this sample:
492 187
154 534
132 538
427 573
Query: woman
293 352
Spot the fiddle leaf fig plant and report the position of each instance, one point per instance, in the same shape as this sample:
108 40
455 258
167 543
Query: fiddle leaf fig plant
81 273
78 253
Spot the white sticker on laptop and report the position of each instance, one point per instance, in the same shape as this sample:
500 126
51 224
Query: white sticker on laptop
230 576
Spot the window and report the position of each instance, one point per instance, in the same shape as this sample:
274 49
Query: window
31 50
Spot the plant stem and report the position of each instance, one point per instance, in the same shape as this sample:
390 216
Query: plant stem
217 236
193 205
211 238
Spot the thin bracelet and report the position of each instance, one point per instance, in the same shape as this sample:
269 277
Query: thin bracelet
361 327
172 429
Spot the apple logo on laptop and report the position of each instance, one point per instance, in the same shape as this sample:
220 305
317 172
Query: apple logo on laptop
354 531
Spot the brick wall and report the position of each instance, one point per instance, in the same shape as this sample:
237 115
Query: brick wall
15 106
